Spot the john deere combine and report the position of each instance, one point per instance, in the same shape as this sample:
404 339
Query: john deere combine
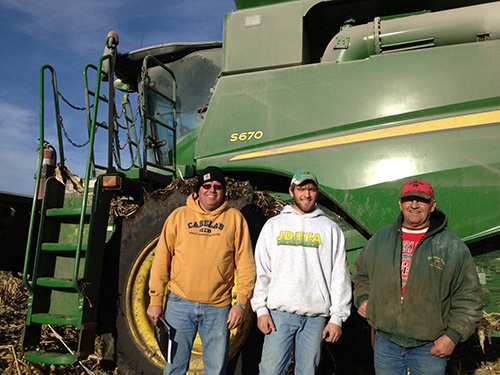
366 93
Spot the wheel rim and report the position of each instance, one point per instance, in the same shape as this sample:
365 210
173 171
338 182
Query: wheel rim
136 304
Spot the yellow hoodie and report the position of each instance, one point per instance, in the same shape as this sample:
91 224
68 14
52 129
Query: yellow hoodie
199 253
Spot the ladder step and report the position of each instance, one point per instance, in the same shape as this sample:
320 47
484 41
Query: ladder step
57 319
50 358
53 282
67 211
61 247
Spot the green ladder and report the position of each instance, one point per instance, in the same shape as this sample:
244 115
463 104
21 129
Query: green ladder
64 263
67 270
63 272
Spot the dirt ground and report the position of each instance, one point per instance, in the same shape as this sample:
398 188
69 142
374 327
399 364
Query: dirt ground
352 354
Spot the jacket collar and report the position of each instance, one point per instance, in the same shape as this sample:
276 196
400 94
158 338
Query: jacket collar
439 221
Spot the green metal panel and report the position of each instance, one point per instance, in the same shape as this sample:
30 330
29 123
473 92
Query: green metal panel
243 4
65 302
365 126
415 31
185 148
262 38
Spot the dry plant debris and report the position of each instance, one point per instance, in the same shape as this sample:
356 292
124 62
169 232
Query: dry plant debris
270 205
486 326
13 308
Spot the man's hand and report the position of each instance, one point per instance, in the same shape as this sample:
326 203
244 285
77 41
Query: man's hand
266 324
443 347
154 312
236 315
332 332
362 308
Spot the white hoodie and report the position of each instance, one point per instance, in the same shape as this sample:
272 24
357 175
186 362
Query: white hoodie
302 267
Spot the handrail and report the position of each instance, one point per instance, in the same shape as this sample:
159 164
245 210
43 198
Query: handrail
87 104
145 108
27 254
90 158
111 118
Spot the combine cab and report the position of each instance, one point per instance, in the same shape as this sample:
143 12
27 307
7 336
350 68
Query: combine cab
367 94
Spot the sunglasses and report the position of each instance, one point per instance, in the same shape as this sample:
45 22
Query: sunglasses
210 186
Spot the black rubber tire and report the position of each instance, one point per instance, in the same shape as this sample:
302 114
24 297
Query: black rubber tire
138 233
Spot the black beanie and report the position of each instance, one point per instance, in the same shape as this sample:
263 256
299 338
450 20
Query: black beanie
211 174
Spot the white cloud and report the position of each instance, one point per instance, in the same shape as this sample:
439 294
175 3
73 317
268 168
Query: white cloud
58 21
15 121
81 26
19 144
17 148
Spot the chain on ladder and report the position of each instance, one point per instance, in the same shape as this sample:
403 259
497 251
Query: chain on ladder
63 128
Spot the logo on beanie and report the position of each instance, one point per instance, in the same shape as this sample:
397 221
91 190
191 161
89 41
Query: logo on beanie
206 177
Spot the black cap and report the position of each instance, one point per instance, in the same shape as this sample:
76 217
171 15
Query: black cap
211 174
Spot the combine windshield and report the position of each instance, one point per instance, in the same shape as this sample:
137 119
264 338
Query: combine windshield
195 76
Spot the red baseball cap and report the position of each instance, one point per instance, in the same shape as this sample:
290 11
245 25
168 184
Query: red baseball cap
417 188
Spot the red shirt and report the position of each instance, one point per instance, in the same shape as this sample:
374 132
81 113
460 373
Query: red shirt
411 238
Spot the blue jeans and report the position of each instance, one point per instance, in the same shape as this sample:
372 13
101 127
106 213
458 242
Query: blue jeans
392 359
186 319
305 331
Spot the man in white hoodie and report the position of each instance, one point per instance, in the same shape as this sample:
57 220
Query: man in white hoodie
303 288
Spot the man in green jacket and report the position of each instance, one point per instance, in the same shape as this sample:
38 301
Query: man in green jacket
417 285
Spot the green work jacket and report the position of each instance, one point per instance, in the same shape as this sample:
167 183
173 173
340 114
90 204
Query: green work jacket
443 294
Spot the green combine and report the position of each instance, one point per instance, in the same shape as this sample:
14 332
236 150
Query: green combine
367 94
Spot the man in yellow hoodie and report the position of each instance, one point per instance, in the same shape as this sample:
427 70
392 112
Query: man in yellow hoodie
201 247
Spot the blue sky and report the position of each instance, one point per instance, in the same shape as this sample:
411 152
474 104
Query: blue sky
67 35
